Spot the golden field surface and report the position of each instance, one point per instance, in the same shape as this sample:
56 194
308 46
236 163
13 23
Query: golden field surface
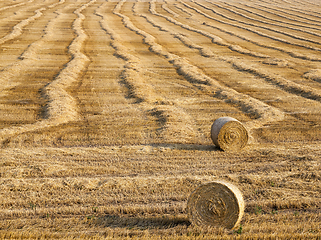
106 110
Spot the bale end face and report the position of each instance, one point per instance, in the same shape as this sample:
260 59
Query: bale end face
229 134
216 204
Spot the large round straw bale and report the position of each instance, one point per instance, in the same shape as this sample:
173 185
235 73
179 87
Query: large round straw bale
216 204
229 134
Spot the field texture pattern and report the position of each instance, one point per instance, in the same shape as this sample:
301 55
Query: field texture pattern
106 109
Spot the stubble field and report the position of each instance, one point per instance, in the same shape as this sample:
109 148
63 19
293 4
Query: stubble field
106 110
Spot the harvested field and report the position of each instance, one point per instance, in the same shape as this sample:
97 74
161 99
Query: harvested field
107 108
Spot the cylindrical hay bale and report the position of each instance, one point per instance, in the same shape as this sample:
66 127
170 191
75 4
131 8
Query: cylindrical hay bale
229 134
216 204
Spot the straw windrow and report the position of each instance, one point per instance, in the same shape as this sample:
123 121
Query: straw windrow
17 29
263 112
281 49
126 167
314 74
268 23
175 124
61 107
167 9
285 84
16 5
282 40
30 54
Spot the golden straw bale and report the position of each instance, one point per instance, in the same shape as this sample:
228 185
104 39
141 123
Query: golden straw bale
216 204
229 134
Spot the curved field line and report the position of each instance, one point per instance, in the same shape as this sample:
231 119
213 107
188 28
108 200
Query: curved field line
27 56
292 54
283 83
183 10
13 70
279 21
314 74
16 14
254 31
266 28
295 15
278 3
16 5
30 52
279 81
215 39
169 116
311 21
263 112
308 12
133 71
17 29
281 16
56 4
312 3
167 9
61 107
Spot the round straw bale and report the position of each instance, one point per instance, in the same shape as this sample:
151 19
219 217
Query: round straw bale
229 134
216 204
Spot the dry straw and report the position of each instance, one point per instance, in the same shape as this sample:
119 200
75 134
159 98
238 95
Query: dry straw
216 204
229 134
314 74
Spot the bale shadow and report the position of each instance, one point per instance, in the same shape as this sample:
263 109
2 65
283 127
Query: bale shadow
141 222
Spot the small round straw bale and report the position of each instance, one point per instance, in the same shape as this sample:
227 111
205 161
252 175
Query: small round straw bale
229 134
216 204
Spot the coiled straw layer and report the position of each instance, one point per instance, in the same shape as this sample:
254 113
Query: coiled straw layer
216 204
229 134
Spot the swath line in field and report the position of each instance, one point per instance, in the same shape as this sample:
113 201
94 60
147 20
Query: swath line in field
167 9
183 10
283 83
287 12
263 112
264 27
279 81
56 4
255 31
133 72
314 74
291 53
15 69
277 25
308 12
17 29
236 47
27 57
16 5
61 106
290 20
169 117
10 18
215 39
